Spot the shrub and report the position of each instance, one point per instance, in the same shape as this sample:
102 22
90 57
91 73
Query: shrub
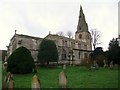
20 61
47 52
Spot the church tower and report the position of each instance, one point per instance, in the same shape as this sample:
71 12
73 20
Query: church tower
82 35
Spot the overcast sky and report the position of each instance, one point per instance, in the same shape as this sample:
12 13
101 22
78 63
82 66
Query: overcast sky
38 17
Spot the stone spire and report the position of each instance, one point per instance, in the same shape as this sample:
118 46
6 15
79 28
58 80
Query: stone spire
82 25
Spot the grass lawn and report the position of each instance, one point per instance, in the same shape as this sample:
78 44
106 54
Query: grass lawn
78 77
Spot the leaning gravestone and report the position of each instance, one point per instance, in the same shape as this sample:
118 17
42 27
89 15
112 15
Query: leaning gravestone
11 84
8 81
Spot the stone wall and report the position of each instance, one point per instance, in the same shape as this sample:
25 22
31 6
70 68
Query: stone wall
65 46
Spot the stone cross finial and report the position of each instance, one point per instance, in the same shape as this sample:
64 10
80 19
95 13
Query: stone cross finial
49 32
15 31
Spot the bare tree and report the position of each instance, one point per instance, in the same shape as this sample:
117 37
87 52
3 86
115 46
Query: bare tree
60 33
96 35
69 34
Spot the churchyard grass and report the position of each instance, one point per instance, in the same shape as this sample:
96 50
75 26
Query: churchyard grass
77 76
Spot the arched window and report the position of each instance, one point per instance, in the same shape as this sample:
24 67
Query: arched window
79 54
20 42
85 55
85 47
80 36
63 42
79 46
63 54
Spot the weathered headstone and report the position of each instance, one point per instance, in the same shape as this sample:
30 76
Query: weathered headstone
111 65
105 63
10 84
62 80
116 66
35 83
64 66
95 65
8 81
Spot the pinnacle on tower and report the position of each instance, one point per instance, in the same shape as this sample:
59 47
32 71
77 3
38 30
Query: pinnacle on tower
82 25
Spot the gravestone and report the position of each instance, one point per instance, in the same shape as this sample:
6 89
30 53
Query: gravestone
35 83
62 80
111 65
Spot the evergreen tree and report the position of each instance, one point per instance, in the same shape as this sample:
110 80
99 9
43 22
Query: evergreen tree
98 51
47 52
20 61
114 52
98 56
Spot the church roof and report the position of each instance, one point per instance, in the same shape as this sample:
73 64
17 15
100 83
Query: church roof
55 36
25 36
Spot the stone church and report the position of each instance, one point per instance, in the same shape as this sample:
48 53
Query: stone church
70 50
